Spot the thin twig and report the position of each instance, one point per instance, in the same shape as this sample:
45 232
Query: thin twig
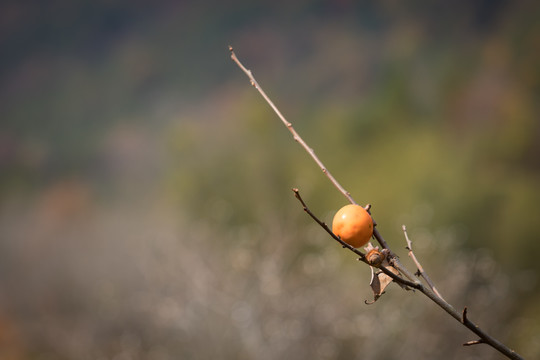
398 279
418 265
462 318
411 283
464 315
394 260
301 141
291 128
474 342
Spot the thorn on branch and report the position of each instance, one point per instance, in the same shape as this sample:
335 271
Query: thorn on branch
474 342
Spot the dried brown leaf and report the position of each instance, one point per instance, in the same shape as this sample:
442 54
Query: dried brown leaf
379 282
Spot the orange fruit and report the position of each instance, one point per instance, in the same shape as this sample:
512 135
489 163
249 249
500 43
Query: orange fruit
353 224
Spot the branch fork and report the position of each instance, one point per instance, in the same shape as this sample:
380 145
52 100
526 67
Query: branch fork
390 265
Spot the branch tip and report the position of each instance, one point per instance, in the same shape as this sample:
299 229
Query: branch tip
474 342
420 272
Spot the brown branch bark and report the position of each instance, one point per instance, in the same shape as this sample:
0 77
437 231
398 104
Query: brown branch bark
301 141
412 281
289 126
418 265
362 257
416 284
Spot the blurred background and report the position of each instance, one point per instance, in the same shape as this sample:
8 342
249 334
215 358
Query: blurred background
145 203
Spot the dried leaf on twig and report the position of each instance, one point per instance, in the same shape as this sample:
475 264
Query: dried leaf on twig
379 282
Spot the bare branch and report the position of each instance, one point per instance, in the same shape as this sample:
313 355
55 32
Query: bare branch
462 318
418 265
413 282
299 139
394 260
396 278
289 126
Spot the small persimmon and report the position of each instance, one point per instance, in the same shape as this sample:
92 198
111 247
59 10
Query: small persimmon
353 224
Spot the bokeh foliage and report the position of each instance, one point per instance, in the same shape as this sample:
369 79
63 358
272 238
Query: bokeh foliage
146 204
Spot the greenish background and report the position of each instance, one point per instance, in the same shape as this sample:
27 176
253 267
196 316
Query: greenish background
145 203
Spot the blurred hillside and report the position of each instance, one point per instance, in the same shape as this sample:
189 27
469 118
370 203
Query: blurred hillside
145 203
